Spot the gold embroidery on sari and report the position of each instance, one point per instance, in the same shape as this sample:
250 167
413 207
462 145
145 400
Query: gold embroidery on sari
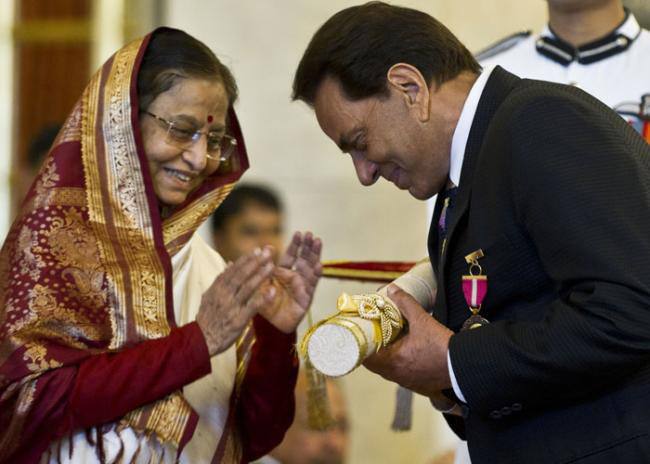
185 222
126 185
76 249
35 355
167 418
97 217
48 177
9 441
31 263
71 130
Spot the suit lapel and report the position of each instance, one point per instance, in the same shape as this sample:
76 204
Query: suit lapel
498 86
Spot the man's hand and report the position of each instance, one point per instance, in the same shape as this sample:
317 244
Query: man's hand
293 283
418 360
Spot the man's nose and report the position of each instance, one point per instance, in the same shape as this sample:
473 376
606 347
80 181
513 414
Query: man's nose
367 171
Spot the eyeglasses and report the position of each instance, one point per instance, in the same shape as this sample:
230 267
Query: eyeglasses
219 147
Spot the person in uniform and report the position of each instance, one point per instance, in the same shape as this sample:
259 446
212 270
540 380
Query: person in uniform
596 45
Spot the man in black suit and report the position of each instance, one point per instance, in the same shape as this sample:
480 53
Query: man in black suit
544 195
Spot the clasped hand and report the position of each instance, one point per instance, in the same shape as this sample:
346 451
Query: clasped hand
418 360
253 284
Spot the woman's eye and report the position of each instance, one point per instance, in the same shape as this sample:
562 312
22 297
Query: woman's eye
214 140
181 133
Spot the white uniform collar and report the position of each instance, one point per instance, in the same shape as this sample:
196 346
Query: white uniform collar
617 41
461 133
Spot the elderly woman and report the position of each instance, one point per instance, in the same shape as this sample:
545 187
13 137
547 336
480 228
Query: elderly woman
123 336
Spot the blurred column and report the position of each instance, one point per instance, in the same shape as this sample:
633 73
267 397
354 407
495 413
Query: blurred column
52 47
6 109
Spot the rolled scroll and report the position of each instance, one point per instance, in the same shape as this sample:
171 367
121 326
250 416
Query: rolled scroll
364 324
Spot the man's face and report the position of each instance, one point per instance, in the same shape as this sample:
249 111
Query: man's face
385 139
254 226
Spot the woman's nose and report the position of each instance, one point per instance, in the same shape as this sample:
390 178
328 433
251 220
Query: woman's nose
196 154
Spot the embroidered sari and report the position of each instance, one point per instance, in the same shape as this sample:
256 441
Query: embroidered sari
87 289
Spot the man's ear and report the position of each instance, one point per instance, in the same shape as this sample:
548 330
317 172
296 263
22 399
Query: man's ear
408 80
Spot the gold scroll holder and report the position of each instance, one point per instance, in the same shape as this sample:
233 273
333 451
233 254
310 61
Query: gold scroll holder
387 320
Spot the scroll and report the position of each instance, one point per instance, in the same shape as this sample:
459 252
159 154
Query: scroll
364 324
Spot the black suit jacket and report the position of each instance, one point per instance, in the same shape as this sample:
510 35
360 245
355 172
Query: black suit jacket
555 189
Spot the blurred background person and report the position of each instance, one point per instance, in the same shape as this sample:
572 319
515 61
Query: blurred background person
597 45
250 217
304 445
38 148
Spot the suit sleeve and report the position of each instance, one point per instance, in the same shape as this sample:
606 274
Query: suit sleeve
582 196
266 407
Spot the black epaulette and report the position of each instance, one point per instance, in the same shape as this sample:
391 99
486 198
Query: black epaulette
502 45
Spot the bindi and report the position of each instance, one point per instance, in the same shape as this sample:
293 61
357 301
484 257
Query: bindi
210 118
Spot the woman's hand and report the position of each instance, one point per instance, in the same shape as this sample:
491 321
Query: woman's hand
293 283
233 298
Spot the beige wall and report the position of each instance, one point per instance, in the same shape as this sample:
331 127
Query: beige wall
262 42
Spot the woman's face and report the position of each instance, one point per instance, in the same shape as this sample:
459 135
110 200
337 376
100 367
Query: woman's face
192 105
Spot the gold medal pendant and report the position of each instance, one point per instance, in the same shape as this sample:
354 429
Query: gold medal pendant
474 322
475 286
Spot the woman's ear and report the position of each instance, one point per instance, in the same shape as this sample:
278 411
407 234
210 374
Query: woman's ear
408 80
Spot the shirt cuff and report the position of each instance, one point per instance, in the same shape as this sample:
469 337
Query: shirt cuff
454 382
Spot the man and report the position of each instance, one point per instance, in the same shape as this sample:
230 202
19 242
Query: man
551 211
250 217
301 444
596 45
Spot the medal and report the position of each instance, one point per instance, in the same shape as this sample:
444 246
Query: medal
475 286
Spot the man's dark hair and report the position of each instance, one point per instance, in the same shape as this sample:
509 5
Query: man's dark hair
358 46
172 55
241 197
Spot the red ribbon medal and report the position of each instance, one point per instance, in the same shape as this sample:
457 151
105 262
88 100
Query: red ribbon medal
475 286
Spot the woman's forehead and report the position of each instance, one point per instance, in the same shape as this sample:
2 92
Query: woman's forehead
191 95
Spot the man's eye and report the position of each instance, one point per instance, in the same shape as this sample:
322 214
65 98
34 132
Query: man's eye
249 231
360 144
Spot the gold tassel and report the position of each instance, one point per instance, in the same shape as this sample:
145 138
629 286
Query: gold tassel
319 415
403 410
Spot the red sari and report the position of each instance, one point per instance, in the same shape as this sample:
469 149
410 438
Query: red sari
87 329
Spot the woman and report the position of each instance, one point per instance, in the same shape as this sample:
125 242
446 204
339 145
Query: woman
117 342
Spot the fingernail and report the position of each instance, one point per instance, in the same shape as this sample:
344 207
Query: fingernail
271 292
266 253
257 251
